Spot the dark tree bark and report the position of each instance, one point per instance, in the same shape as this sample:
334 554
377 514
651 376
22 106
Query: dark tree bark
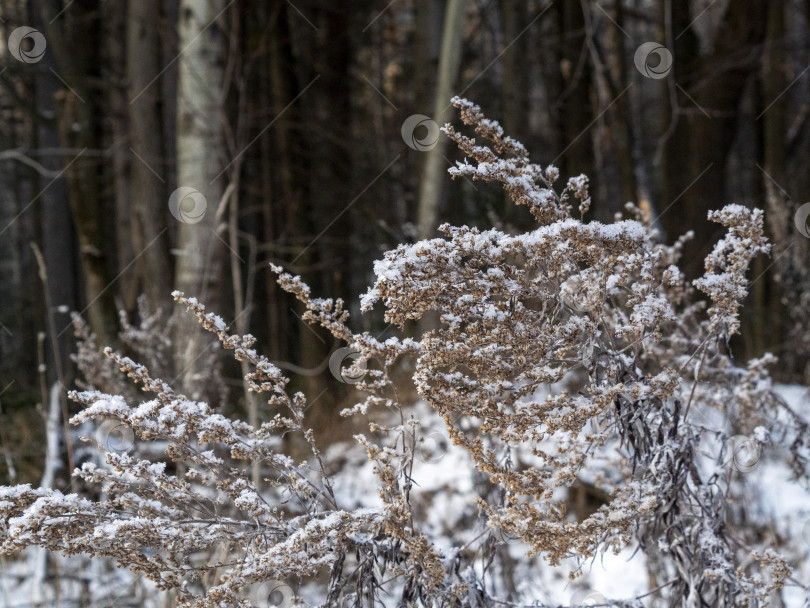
708 88
75 40
570 94
148 195
515 84
615 140
115 73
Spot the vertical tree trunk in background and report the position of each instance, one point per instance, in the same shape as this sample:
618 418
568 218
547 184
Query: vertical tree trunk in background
269 193
38 556
199 161
774 149
287 163
115 35
331 194
571 94
695 157
428 15
433 178
57 236
148 197
514 85
23 307
73 39
616 140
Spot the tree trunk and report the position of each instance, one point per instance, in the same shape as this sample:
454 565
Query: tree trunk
774 147
118 115
148 196
709 89
74 40
618 184
433 177
199 145
570 95
514 87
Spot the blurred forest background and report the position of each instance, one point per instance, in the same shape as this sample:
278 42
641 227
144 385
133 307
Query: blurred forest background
286 119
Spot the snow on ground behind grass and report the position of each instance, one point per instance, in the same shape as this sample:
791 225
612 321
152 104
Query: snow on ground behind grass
445 500
448 486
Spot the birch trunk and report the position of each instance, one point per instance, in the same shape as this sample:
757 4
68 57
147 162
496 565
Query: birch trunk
37 556
199 144
430 189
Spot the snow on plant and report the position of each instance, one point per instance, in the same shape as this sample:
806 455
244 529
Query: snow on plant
602 304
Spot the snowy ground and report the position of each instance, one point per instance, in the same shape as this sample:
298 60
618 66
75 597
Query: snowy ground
446 487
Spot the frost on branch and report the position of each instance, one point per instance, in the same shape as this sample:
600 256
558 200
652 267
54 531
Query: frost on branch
724 281
573 354
608 304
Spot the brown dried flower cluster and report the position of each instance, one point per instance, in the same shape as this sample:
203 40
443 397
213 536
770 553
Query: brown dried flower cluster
574 353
